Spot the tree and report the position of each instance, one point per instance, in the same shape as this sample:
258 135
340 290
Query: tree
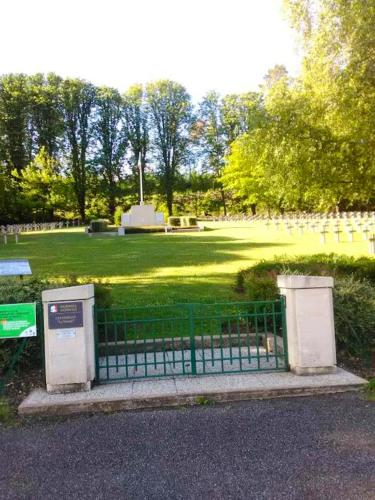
46 118
9 195
241 113
136 123
315 150
111 141
274 75
224 120
213 138
338 75
14 121
171 120
38 182
78 98
290 162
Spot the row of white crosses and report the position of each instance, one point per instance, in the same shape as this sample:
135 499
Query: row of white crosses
347 222
16 229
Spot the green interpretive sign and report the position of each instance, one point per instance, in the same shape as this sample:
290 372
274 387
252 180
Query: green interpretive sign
17 320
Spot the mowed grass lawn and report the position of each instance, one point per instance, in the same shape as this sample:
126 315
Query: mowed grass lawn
165 269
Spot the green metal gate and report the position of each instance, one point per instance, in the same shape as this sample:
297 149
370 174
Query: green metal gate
190 339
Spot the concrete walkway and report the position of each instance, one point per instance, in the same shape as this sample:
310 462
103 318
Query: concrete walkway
175 391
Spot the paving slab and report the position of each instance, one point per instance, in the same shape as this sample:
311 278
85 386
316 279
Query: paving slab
175 391
170 363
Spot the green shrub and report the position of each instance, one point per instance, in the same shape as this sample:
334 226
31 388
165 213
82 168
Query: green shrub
370 389
174 221
13 290
354 293
6 413
99 225
318 265
184 221
261 288
117 216
188 221
192 221
354 306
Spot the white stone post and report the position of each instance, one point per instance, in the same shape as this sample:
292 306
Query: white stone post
69 338
310 323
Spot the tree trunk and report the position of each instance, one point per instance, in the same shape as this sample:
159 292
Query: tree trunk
253 208
81 205
170 203
223 201
112 206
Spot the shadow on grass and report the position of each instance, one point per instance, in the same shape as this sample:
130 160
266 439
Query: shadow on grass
73 253
215 287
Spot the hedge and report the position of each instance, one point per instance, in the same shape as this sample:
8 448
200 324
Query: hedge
183 221
354 293
174 221
99 225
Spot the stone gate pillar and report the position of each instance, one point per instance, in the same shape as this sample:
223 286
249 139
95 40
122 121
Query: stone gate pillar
310 323
69 338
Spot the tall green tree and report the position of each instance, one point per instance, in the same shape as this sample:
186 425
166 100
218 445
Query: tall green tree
137 128
110 138
15 137
338 74
290 162
171 119
213 138
39 182
78 99
224 120
9 195
46 117
241 113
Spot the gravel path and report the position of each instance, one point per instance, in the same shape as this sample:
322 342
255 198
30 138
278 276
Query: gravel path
296 448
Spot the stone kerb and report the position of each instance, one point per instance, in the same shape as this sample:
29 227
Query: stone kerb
310 323
69 338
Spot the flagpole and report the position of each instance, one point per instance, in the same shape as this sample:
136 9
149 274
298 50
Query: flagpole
140 179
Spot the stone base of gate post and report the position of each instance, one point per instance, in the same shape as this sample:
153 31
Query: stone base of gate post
69 338
310 323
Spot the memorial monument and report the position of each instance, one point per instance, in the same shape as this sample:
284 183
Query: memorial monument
142 215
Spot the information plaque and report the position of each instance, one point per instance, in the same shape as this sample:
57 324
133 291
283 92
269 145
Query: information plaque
14 267
65 315
17 320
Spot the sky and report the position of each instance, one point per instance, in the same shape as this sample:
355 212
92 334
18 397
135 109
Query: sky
222 45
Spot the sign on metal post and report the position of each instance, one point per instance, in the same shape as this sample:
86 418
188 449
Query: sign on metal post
17 320
14 267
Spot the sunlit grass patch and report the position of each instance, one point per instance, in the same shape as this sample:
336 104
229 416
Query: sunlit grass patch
157 268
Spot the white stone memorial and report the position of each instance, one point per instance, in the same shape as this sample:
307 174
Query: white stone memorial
142 215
